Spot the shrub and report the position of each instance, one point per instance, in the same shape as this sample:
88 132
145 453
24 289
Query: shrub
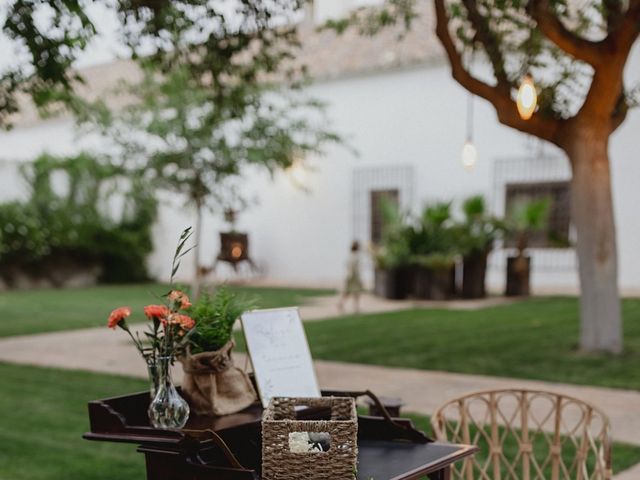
78 223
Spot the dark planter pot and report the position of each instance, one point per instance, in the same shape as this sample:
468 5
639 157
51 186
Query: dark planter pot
518 274
393 283
430 284
474 272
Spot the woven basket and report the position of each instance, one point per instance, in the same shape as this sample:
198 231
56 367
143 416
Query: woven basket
337 463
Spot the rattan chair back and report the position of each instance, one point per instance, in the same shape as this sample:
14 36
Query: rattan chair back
526 435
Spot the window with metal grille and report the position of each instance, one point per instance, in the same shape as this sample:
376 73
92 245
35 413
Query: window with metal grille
377 218
556 232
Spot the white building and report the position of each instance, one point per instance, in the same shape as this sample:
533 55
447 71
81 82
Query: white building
399 107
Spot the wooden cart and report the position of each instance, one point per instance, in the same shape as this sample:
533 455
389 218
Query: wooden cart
229 447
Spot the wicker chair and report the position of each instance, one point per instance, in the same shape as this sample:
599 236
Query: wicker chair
526 435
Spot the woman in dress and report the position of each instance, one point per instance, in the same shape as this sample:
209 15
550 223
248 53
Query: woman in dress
353 282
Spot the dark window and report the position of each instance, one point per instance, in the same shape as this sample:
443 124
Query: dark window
377 219
556 233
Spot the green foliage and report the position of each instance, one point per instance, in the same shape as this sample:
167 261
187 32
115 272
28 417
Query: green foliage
525 218
434 239
51 34
228 51
74 222
215 316
477 232
427 241
183 137
199 120
394 249
529 215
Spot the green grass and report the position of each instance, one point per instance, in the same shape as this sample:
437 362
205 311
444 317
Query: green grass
533 339
33 311
44 414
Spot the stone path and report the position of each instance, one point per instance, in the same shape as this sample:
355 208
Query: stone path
103 350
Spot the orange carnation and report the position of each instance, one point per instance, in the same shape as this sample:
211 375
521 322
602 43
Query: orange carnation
185 321
117 316
156 311
180 298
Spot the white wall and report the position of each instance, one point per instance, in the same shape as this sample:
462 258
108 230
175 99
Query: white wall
414 117
324 10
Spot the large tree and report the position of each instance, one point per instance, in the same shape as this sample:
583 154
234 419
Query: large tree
576 53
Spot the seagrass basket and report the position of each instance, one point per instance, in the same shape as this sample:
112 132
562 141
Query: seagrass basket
339 427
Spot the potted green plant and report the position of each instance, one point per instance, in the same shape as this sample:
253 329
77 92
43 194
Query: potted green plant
392 256
212 384
476 235
524 219
434 253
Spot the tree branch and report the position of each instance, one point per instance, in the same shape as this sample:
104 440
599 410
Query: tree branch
628 27
576 46
613 13
545 128
603 99
489 41
620 115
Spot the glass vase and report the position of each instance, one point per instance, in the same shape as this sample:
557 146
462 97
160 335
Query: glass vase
152 370
168 410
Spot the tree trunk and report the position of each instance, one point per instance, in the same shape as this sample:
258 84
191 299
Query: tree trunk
197 275
593 217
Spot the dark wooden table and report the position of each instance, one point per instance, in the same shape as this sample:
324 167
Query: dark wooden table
387 451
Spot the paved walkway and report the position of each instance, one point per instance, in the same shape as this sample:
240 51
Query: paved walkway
320 308
103 350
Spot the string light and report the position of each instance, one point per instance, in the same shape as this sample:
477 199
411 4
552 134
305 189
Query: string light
527 98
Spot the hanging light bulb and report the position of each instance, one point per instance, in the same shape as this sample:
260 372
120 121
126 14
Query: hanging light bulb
527 98
469 155
469 152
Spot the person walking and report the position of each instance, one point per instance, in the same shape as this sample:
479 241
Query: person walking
353 283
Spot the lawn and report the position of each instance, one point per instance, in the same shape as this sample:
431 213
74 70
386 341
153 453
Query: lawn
45 415
34 311
534 339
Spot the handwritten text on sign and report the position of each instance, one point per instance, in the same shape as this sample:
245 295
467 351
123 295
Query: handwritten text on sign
280 354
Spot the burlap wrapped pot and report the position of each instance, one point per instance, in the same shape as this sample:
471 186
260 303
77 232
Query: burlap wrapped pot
213 385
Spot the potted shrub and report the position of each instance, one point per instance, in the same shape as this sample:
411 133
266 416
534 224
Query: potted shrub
525 218
434 253
476 236
212 384
393 274
434 276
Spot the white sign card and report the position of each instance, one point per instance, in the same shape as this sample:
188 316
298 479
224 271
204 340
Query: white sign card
279 354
